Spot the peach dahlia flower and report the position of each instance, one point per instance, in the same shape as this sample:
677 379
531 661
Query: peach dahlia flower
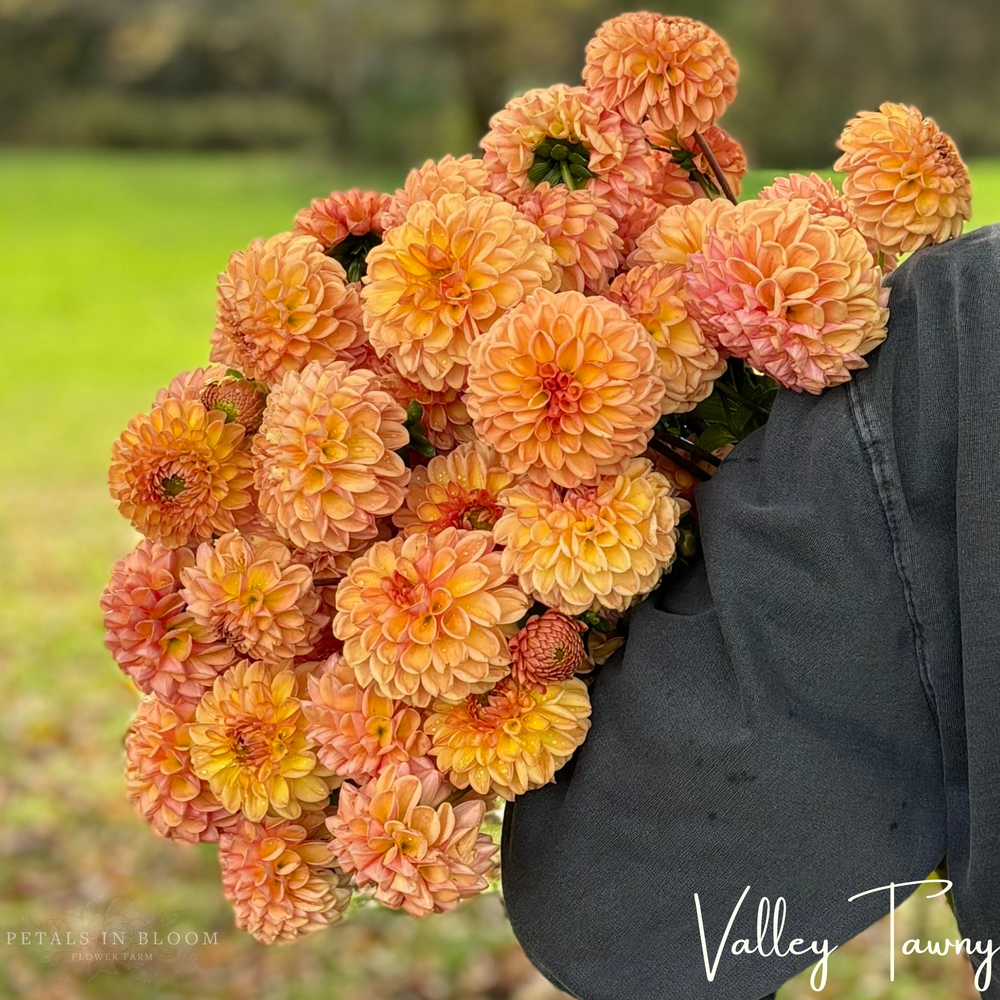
465 176
671 163
414 855
444 276
427 616
549 649
676 72
565 388
190 384
797 296
283 303
179 473
511 739
677 232
595 546
326 462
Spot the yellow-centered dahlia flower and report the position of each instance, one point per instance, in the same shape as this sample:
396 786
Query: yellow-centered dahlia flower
511 739
458 490
357 731
249 743
677 232
656 296
444 276
281 877
326 462
549 649
150 632
796 295
675 159
906 180
179 473
566 388
565 135
159 778
415 855
596 546
676 72
282 304
465 176
428 616
251 592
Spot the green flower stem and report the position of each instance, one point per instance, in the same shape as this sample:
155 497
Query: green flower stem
693 449
662 448
732 394
716 169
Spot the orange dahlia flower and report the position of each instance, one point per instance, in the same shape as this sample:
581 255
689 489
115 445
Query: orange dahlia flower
566 135
281 304
465 176
635 222
348 224
189 385
179 473
906 180
326 462
427 616
671 165
444 276
249 743
159 778
458 490
676 72
149 631
416 856
281 877
511 739
596 546
547 650
250 591
237 398
656 296
677 232
565 388
797 296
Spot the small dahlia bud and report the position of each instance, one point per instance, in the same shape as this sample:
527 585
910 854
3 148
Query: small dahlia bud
241 400
547 650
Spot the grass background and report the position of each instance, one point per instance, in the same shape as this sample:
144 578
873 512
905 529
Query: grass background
107 265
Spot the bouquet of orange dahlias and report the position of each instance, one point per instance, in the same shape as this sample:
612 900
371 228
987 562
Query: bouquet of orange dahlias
447 438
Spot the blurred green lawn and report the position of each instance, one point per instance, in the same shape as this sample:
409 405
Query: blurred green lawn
107 266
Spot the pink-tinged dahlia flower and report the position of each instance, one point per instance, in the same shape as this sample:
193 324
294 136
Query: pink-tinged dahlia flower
656 296
444 276
357 731
566 135
281 305
465 176
677 232
797 296
326 462
511 739
428 616
238 399
676 72
189 385
671 165
635 222
414 855
566 388
159 779
281 877
149 631
251 592
592 547
906 180
179 473
549 649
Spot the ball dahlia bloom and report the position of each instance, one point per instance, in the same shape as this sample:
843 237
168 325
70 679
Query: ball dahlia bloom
444 276
249 743
549 649
592 547
149 631
465 176
797 296
556 129
281 877
326 462
656 296
427 616
190 384
179 473
357 731
283 303
676 72
635 222
238 399
677 232
579 229
906 180
511 739
672 163
565 388
250 591
458 490
159 779
414 855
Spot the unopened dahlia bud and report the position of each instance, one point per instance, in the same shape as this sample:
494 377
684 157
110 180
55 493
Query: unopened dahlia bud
547 650
241 400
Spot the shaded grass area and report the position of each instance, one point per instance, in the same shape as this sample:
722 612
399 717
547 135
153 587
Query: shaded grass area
106 290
